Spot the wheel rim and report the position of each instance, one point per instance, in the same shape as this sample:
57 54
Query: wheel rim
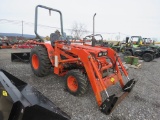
72 83
35 61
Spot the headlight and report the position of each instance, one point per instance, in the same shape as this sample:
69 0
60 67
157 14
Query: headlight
104 53
100 54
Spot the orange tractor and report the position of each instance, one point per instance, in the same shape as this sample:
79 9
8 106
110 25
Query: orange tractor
81 65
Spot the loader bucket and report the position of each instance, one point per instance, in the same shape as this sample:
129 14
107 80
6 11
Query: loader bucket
110 103
20 101
20 57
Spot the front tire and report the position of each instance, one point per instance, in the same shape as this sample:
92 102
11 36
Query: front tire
147 57
76 82
40 62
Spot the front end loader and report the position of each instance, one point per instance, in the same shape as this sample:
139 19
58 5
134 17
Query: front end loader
81 65
20 101
20 57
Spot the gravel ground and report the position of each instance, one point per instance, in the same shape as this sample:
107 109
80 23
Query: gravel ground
142 104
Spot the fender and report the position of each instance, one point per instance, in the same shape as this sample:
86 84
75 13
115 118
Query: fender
152 51
50 51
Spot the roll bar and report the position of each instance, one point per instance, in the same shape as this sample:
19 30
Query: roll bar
36 19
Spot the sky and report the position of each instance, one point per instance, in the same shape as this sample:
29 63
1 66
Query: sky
113 17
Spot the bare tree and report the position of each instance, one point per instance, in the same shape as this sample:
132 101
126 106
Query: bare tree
78 30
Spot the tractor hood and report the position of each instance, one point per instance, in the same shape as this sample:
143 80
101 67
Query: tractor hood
93 50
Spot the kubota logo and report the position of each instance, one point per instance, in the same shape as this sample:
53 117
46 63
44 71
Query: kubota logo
112 79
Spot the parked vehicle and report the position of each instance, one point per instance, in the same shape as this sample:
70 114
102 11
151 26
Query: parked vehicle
146 53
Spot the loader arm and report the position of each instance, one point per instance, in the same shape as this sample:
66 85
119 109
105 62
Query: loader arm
116 60
98 83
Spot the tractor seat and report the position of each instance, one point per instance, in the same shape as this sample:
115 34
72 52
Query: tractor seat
53 37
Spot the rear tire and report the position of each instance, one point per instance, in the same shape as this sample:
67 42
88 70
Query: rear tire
40 62
76 82
147 57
